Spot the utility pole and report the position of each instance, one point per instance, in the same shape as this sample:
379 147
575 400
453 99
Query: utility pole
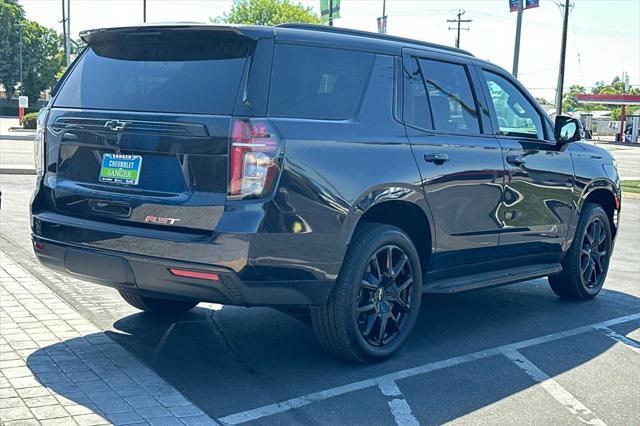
563 54
144 11
331 13
459 21
64 34
516 49
67 42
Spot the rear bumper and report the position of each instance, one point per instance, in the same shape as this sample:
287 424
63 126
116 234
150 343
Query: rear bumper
151 276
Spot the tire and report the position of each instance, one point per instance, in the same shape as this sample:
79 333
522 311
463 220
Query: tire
164 307
349 323
586 264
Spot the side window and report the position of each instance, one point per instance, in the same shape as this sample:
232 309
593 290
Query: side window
415 109
516 115
453 106
316 82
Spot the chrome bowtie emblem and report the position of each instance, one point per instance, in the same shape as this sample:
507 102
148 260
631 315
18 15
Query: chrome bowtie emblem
115 125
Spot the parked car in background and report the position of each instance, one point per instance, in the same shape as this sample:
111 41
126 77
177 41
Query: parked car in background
336 175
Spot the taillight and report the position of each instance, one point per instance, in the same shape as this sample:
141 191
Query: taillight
39 146
254 160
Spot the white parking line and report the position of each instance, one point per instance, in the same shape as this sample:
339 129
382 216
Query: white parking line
399 407
389 388
553 388
281 407
402 413
630 343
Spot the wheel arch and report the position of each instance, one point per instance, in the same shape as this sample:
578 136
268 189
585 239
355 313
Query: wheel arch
400 206
606 194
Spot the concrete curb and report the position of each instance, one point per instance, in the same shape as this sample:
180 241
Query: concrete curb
29 137
628 144
22 130
17 170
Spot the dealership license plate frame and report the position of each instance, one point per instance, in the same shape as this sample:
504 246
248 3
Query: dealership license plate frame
120 169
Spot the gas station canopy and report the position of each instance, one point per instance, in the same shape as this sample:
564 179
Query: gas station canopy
609 99
623 100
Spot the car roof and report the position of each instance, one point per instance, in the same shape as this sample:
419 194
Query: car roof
317 34
375 41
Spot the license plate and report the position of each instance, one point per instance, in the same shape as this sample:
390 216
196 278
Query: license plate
120 168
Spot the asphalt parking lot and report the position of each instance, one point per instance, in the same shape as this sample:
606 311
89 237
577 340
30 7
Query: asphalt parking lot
510 355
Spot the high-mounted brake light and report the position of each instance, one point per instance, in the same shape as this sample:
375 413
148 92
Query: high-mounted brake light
253 159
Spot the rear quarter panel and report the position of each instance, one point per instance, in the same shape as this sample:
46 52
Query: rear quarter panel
333 171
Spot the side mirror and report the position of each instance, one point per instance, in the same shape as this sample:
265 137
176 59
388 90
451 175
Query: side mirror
568 129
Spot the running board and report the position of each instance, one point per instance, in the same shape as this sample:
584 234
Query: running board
491 279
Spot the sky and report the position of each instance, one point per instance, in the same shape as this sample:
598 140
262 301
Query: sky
603 37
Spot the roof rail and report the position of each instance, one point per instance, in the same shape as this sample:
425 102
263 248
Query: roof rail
368 34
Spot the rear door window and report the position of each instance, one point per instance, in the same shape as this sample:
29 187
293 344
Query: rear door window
453 107
415 110
196 75
317 82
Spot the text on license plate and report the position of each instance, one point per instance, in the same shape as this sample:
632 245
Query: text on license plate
120 168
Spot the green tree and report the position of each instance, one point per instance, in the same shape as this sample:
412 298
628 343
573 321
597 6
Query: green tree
42 58
597 88
11 15
267 12
616 87
542 100
569 102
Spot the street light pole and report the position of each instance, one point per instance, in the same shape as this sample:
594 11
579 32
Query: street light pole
382 20
144 11
516 49
563 54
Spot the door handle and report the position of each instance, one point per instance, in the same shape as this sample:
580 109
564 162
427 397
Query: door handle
436 158
516 159
71 137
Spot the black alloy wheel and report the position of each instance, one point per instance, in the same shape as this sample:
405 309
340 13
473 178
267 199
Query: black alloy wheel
593 253
585 265
375 302
385 297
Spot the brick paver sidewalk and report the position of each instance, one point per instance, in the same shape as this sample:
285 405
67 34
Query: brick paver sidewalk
58 368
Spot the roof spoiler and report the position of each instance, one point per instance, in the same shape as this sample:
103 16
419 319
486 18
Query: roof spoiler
102 35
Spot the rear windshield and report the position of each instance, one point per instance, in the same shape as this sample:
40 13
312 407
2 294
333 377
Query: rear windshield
183 76
317 82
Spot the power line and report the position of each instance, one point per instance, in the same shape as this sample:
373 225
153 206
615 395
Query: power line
459 21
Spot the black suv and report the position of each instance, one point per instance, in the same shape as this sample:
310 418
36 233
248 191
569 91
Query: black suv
333 174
